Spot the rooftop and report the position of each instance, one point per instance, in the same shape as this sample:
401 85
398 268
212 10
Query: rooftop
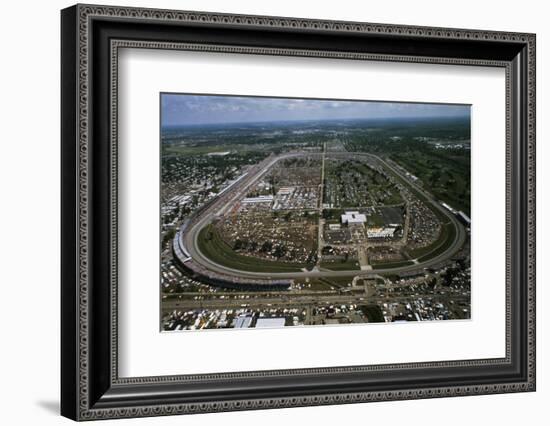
353 217
270 322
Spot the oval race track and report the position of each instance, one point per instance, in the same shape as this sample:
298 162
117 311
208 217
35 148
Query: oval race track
187 239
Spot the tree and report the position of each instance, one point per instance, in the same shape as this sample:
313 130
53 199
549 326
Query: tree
266 247
280 251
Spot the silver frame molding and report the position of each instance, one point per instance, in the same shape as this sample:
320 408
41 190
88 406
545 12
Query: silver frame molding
91 39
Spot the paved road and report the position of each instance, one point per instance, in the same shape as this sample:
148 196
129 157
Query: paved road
298 300
190 237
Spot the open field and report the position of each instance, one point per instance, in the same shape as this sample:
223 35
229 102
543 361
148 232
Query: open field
337 282
337 265
324 284
391 264
383 216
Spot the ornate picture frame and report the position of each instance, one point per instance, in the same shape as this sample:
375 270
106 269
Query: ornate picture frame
91 37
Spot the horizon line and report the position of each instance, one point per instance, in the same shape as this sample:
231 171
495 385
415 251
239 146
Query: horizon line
314 120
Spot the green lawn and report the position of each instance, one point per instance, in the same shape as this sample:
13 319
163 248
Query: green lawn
375 219
337 282
392 264
315 285
349 265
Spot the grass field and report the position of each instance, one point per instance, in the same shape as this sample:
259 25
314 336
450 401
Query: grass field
375 219
392 264
350 265
215 248
325 284
314 285
337 282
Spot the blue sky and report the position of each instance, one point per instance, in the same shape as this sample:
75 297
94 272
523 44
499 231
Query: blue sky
179 109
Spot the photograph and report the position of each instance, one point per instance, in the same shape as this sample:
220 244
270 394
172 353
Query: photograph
282 212
263 210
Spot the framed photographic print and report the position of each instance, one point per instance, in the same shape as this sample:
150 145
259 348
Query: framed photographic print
263 212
